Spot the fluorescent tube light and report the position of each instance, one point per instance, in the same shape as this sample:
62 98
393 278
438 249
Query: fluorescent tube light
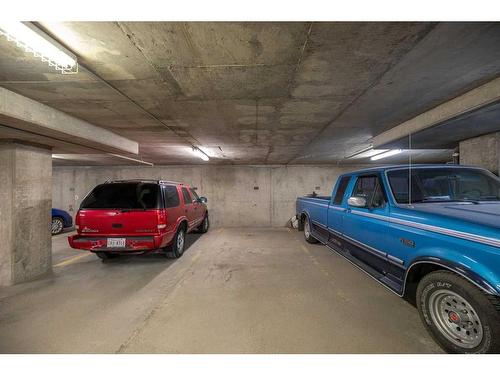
31 40
386 154
200 154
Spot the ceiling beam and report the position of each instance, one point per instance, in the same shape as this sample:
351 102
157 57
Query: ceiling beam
20 112
472 100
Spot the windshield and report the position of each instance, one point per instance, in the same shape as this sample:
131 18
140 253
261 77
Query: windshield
129 195
444 184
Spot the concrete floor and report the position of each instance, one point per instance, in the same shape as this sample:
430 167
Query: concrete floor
242 290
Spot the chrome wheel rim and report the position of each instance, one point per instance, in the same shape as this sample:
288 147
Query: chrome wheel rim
180 242
455 318
205 223
56 226
307 231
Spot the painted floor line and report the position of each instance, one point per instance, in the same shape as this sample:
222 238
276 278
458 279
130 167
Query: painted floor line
71 260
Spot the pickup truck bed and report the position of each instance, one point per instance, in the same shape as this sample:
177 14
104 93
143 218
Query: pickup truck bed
366 258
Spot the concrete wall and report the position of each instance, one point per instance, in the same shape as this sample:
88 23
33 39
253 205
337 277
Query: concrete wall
482 151
25 202
233 197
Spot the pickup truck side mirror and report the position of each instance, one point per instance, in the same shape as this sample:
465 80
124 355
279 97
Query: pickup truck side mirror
357 202
202 200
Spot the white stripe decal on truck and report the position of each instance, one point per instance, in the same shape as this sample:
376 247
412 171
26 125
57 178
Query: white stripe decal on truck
449 232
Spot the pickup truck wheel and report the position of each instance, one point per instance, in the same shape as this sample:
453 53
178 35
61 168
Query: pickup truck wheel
205 224
105 255
179 243
458 315
307 232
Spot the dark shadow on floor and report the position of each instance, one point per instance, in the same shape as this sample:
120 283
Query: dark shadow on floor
191 238
65 230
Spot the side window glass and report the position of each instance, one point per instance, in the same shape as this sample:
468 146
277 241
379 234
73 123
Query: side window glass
187 197
369 188
341 190
171 196
378 199
193 193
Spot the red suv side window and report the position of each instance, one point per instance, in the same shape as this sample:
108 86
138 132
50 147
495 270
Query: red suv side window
187 197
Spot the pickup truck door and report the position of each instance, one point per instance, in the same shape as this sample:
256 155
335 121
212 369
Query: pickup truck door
365 229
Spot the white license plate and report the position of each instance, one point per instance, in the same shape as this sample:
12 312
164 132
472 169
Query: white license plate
116 242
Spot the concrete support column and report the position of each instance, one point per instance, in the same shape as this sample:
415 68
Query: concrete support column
483 151
25 203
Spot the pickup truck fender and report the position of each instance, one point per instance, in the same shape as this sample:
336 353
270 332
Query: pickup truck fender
307 217
301 223
459 264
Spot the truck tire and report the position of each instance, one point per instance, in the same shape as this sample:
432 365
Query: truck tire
307 232
205 224
459 316
179 242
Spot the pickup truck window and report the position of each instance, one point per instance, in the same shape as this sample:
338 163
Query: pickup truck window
187 197
339 195
444 184
369 188
171 196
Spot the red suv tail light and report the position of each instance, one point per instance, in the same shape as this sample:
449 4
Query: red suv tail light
77 221
161 219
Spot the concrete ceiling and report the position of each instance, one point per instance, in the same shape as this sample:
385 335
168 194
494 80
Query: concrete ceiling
256 93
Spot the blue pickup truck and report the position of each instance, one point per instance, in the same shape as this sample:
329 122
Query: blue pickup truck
429 233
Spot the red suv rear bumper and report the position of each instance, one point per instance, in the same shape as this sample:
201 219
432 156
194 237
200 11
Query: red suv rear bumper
142 243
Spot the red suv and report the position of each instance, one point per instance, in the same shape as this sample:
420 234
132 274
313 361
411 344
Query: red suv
138 216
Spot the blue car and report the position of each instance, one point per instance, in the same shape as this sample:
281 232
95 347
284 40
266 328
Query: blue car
60 220
429 233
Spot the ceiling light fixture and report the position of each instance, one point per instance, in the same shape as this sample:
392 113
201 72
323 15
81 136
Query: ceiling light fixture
32 40
386 154
200 154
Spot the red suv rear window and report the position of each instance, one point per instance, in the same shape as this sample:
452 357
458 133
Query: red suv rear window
126 195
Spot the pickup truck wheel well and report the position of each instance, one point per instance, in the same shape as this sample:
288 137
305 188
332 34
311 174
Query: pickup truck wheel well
303 218
416 273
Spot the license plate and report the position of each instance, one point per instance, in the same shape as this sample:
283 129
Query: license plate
116 242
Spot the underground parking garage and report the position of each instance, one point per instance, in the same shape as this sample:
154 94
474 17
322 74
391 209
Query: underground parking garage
237 187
